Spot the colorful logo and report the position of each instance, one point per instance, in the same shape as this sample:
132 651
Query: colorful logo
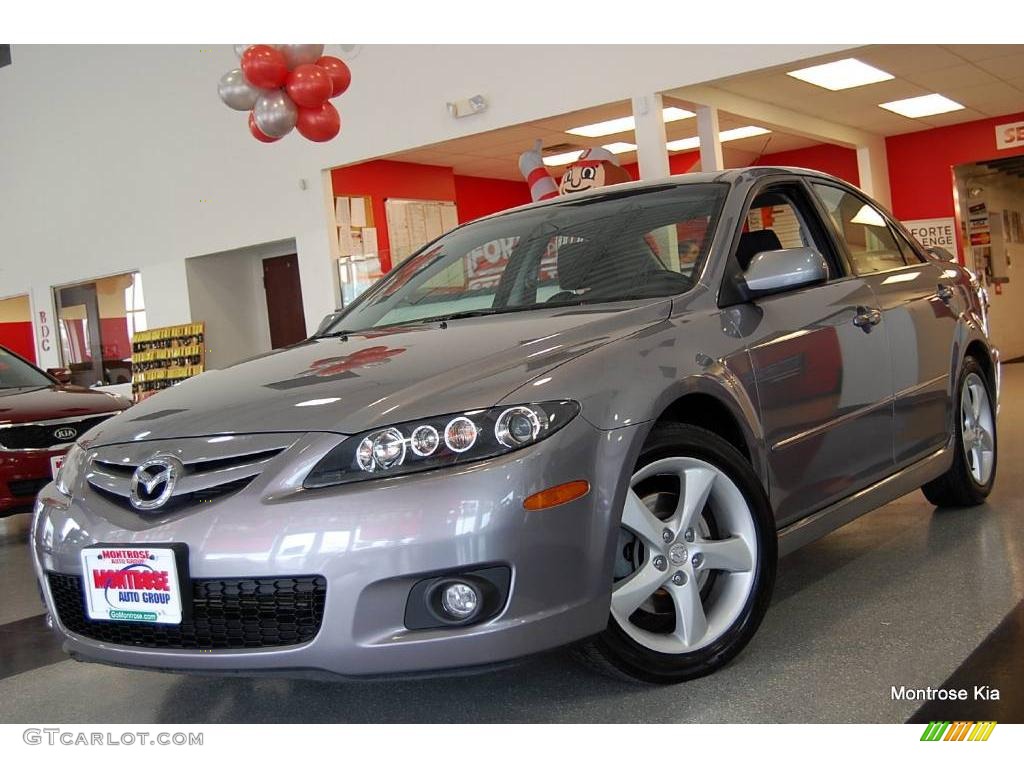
943 730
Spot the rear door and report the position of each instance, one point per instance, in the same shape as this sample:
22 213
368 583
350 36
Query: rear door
823 381
917 300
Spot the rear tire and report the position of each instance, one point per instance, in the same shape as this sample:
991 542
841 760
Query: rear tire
969 480
697 557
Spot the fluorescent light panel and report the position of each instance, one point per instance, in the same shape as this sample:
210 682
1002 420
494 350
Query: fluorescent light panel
922 106
622 124
693 142
564 158
840 75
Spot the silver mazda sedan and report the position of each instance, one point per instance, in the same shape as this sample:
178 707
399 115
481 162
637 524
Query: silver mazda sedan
596 421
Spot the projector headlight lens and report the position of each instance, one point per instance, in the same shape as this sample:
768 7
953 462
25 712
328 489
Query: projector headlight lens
440 442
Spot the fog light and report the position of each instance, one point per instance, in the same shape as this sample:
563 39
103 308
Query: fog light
460 600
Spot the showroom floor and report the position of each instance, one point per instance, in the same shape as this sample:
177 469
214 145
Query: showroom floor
904 596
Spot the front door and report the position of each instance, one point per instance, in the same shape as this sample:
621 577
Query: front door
284 300
823 375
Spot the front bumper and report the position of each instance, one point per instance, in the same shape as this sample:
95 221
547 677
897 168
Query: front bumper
372 541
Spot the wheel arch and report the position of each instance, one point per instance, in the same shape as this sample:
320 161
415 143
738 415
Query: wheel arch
704 404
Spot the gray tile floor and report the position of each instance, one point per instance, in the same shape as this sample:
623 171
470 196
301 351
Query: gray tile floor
899 597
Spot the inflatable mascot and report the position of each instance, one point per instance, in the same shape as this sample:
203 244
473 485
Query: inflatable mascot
596 167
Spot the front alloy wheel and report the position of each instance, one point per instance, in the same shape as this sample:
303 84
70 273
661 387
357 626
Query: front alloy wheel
695 561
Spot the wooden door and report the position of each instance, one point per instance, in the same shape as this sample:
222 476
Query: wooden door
284 300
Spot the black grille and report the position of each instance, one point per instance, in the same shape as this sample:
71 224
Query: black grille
176 503
38 436
26 487
226 613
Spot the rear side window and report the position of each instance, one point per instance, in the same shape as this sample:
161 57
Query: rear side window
871 243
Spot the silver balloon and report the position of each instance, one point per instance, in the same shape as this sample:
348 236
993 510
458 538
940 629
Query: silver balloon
305 53
240 48
236 92
275 114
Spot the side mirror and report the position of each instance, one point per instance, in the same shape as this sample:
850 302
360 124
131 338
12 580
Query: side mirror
774 271
327 322
62 375
940 253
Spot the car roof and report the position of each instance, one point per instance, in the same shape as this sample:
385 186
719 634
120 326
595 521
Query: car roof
730 176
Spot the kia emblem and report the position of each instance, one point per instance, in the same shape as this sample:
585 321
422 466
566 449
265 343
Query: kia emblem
65 434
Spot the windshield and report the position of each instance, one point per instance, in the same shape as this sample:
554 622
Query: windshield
622 245
15 372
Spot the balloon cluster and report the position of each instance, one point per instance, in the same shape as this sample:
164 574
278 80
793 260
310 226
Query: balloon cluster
284 87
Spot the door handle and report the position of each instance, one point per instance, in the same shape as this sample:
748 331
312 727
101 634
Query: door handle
866 318
945 293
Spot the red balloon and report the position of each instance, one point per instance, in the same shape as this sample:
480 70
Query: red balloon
340 74
257 133
309 85
319 123
264 67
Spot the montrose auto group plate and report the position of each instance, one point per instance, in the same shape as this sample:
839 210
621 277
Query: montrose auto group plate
132 584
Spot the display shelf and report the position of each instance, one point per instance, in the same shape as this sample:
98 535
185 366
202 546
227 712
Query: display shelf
163 357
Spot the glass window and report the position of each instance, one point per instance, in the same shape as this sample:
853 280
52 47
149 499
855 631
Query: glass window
611 247
96 321
869 240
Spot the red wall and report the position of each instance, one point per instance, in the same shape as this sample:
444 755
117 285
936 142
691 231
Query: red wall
476 196
17 337
382 179
681 162
921 164
827 158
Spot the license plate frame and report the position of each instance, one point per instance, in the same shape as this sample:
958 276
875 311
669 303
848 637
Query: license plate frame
155 587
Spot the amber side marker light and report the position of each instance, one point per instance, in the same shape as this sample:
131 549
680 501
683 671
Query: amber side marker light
559 494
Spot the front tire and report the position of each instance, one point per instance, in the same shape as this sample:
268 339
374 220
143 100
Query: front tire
695 564
969 480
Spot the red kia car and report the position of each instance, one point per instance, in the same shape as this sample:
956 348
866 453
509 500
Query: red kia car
40 418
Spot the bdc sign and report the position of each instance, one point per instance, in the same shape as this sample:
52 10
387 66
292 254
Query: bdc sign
934 232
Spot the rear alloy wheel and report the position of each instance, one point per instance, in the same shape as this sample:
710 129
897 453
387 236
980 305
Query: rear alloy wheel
695 561
969 480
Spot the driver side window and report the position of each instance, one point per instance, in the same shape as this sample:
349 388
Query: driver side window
777 219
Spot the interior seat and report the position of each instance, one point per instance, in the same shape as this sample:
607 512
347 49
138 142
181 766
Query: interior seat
753 243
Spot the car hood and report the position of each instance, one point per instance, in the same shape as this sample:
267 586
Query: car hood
368 379
24 404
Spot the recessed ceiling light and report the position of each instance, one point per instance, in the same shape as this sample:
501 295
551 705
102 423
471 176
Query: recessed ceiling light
742 133
563 158
922 106
622 124
842 74
680 144
618 147
693 142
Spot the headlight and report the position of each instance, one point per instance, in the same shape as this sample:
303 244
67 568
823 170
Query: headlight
456 438
71 469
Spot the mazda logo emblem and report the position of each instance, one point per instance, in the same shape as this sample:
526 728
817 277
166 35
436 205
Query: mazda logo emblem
65 434
153 482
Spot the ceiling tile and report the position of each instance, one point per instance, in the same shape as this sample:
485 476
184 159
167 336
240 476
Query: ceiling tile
905 59
981 52
995 98
953 118
941 80
1005 67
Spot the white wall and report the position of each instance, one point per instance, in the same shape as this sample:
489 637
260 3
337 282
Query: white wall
225 290
114 158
